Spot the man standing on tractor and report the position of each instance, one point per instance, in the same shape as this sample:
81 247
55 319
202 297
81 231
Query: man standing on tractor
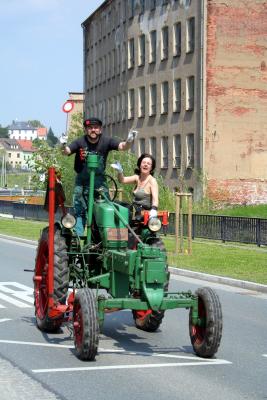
91 141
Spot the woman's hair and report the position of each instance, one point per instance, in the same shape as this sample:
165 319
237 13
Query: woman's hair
140 159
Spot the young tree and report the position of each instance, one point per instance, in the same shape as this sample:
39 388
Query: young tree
3 132
52 140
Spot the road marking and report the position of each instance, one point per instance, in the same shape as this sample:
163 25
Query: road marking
135 366
264 355
197 361
4 319
9 290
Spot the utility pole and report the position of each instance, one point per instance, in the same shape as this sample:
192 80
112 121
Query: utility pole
3 171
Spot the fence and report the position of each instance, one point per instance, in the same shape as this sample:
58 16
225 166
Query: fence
215 227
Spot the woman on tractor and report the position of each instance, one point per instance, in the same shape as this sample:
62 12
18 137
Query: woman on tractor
145 193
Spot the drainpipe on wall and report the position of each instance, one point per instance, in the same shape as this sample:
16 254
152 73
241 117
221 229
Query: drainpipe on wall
203 35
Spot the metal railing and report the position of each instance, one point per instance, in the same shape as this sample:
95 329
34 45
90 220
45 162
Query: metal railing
214 227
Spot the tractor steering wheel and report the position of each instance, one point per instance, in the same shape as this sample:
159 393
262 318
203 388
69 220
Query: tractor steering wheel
112 186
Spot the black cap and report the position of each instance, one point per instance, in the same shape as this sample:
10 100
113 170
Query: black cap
91 121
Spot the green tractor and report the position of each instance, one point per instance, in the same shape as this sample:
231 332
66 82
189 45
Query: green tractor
121 263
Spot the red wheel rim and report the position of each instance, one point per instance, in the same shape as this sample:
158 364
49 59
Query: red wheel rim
41 286
142 314
198 331
78 324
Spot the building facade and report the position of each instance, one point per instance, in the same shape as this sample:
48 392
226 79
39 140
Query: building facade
170 69
18 153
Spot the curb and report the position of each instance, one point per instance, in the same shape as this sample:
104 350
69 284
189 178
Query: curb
183 272
220 279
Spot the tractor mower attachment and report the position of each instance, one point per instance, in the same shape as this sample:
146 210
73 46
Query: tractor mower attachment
123 256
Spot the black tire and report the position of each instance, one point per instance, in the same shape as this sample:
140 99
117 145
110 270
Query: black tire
85 325
151 321
61 279
206 338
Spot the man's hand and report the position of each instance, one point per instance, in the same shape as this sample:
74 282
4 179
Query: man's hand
131 136
153 213
63 140
117 166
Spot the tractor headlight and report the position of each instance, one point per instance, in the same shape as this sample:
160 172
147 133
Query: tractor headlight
154 224
68 221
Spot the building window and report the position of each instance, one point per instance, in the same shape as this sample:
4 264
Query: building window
9 155
190 35
177 39
109 65
131 104
123 106
142 6
141 102
131 5
113 61
123 56
119 109
152 99
190 90
141 50
164 97
164 152
152 4
153 147
177 95
18 155
118 64
164 43
177 150
114 107
141 146
190 150
152 46
130 53
109 111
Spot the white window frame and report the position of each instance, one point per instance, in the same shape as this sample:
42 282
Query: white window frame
131 110
190 93
190 35
164 106
177 95
164 43
131 53
190 149
177 151
153 146
141 146
177 39
152 99
164 153
141 102
141 50
152 46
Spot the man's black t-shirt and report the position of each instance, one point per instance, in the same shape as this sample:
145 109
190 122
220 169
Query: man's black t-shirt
102 147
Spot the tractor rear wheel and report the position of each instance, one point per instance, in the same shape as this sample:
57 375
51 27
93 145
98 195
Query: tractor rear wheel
61 279
150 320
206 337
85 325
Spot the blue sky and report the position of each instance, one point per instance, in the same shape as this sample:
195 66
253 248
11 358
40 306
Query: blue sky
41 53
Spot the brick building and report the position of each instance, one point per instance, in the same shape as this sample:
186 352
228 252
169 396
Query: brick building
191 76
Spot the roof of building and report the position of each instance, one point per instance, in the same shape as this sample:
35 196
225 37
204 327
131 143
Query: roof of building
41 132
21 125
7 143
26 145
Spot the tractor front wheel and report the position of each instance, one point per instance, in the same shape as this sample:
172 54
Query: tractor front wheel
85 325
61 279
206 336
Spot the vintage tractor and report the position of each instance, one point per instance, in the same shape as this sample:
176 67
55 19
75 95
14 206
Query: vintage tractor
119 264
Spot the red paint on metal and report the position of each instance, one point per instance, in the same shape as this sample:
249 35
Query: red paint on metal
51 186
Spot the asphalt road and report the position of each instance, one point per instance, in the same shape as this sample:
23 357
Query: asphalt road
131 364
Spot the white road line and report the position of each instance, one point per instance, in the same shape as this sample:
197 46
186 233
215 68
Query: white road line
4 319
264 355
136 366
37 344
18 290
15 302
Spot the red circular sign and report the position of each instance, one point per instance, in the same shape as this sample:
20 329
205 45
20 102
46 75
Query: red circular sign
68 106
